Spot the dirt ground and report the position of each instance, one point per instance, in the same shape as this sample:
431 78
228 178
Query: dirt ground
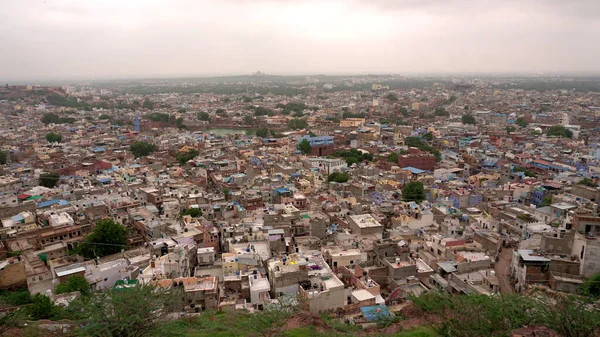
502 268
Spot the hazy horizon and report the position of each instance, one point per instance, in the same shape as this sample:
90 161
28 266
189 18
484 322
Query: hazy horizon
56 40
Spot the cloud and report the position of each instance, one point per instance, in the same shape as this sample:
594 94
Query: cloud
138 38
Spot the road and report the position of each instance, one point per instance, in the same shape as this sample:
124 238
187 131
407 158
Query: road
502 268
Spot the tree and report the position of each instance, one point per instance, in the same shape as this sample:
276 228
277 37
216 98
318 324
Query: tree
522 122
108 237
148 104
142 149
413 191
262 111
392 97
131 312
305 146
510 129
203 116
546 201
220 111
527 172
560 131
338 177
441 112
297 123
41 307
182 110
591 287
74 283
104 117
184 157
587 182
193 212
49 180
3 157
248 120
53 137
226 192
428 136
261 132
468 119
179 123
403 111
393 157
354 156
50 118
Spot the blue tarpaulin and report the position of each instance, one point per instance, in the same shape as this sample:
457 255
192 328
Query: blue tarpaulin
375 312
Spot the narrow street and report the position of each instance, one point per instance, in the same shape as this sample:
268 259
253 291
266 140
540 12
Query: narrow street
502 268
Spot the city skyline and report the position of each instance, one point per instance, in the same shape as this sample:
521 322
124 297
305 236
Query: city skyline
70 40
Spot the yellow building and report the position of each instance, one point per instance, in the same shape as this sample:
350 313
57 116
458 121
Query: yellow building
352 122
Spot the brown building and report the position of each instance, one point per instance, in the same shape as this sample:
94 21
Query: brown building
418 159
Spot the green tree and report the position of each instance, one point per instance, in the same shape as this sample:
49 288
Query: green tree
587 182
510 129
413 191
428 136
546 201
132 312
220 111
41 307
297 123
527 172
3 157
108 237
50 118
148 104
304 146
393 157
193 212
53 137
248 120
184 157
142 149
182 110
522 122
261 132
559 130
441 112
404 112
262 111
104 117
158 117
468 119
392 97
74 283
179 123
338 177
591 287
49 180
203 116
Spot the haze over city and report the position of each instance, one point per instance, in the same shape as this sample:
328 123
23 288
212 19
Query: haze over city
62 39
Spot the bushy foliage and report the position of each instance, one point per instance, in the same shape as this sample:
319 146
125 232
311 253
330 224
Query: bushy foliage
560 131
413 191
142 149
107 238
354 156
338 177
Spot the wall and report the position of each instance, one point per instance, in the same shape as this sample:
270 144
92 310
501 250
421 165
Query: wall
591 259
13 275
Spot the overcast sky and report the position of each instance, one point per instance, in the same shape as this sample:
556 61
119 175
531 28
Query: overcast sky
92 39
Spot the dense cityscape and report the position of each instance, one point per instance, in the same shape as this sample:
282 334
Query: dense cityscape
299 168
351 196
